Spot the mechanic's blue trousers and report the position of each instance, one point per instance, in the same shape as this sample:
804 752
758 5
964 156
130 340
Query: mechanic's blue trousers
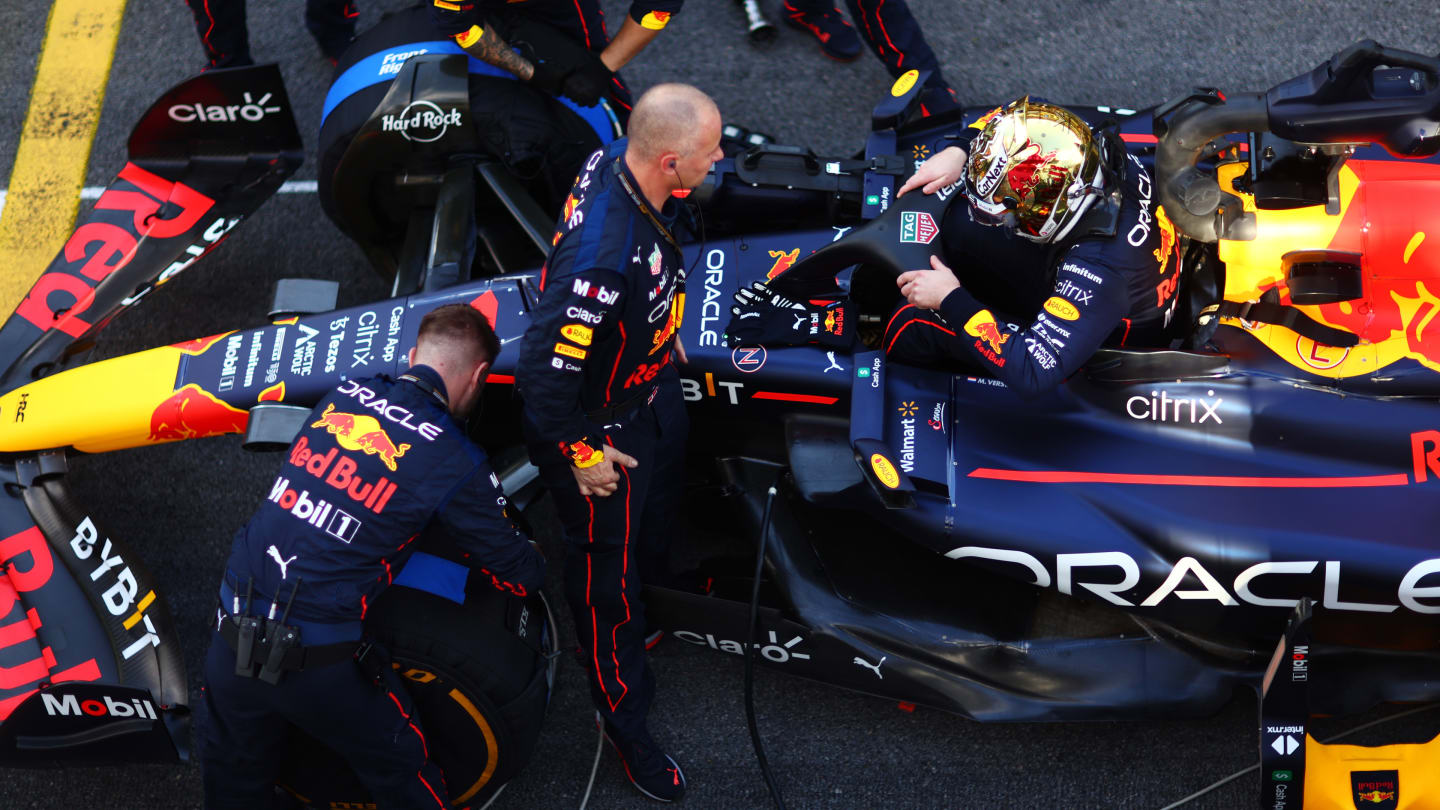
242 736
890 30
226 39
617 543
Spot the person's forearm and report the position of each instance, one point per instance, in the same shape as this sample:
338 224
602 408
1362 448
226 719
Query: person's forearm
630 40
492 50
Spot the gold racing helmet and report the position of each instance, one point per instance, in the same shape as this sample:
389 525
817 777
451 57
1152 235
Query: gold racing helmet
1035 167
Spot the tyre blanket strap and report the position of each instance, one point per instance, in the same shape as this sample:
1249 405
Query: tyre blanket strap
1281 315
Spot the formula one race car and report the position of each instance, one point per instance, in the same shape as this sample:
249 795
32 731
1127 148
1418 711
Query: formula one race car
1152 521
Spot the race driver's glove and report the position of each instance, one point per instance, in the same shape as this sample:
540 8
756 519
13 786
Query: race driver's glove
586 84
763 316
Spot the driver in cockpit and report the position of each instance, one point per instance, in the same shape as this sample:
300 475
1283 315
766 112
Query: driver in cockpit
1077 253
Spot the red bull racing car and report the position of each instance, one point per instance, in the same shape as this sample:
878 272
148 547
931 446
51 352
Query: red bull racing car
1128 545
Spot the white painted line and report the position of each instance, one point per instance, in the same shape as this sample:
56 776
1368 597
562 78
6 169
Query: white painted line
94 192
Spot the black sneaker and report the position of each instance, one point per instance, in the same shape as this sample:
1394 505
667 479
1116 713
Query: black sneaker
653 638
649 769
937 101
837 38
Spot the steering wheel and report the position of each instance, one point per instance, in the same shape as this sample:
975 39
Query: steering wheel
901 239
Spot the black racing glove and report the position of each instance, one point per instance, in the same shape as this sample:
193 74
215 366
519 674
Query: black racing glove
587 84
765 317
546 78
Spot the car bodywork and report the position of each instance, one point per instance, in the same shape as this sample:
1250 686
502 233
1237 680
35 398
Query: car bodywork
1127 545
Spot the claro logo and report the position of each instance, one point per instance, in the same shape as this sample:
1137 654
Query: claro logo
775 651
70 706
252 110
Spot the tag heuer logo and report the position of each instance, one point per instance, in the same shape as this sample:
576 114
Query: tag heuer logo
1375 790
918 227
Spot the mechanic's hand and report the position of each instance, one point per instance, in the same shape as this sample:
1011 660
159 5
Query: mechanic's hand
545 78
585 86
927 288
603 479
680 356
944 169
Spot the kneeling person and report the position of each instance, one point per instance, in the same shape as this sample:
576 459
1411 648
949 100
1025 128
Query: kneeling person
318 576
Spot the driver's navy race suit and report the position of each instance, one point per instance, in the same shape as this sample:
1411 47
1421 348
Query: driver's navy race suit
1066 300
595 371
379 463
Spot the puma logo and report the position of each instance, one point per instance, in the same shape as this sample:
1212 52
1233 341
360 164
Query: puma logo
833 364
799 321
876 666
275 555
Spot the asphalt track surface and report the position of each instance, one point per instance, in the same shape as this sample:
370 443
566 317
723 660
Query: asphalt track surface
180 503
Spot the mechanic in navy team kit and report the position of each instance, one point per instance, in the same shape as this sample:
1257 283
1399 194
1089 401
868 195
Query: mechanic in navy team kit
580 64
604 417
226 38
1090 257
892 34
380 464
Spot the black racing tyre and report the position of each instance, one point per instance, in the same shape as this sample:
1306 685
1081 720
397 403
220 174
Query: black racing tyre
480 675
538 138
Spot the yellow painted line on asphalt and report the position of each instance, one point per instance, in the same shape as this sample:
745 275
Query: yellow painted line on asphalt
43 195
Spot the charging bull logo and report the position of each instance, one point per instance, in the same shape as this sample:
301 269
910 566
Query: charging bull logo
354 431
192 413
1386 224
1167 239
672 324
1376 790
783 260
991 343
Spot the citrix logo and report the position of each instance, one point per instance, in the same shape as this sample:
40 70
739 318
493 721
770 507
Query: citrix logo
70 706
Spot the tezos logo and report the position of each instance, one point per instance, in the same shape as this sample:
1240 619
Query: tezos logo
252 110
421 122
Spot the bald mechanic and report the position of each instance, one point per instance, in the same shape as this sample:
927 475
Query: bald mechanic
380 462
604 416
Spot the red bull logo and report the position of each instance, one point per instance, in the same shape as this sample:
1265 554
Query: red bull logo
783 260
100 248
1386 225
655 20
1167 238
992 340
192 413
835 322
672 324
354 431
1375 796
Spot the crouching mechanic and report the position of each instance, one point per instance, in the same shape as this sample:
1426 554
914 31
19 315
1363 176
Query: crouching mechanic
380 462
604 417
1077 248
547 63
